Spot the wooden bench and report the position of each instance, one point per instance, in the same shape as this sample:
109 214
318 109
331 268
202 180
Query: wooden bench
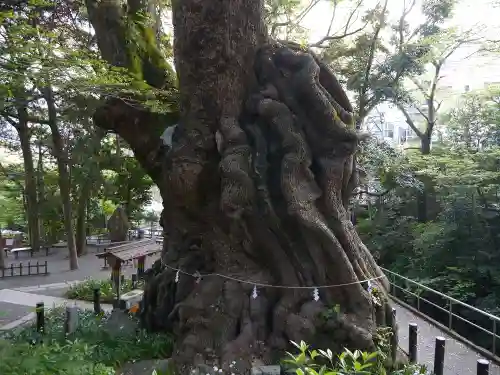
17 250
97 240
104 246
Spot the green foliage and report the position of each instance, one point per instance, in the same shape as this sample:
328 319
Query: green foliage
58 359
474 124
47 45
85 290
96 348
456 250
325 362
11 197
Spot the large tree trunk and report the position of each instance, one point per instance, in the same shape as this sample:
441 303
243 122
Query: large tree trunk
29 178
255 190
61 157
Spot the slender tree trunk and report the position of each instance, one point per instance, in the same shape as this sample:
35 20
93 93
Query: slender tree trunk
41 193
85 193
2 250
422 196
61 157
255 191
81 218
29 177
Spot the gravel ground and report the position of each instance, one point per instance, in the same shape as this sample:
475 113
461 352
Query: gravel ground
459 358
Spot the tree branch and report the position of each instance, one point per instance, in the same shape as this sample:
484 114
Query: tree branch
366 74
297 20
402 21
346 33
33 119
319 43
409 120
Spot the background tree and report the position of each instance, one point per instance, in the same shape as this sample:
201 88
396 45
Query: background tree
50 73
473 123
454 252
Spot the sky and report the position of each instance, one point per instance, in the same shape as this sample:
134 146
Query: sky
460 69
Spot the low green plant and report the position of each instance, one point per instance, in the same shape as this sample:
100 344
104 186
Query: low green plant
85 290
382 340
97 346
324 362
70 358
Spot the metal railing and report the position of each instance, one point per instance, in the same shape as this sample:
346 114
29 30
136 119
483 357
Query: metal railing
451 302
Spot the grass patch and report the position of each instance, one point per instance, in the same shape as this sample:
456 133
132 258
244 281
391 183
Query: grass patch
96 348
84 291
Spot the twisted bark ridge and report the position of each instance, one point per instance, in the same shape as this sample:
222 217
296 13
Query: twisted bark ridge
266 202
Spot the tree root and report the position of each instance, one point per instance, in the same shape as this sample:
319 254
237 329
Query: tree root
272 211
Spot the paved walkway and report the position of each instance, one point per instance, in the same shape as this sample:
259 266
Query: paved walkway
15 297
459 358
58 266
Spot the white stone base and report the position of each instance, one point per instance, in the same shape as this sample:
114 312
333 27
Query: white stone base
131 298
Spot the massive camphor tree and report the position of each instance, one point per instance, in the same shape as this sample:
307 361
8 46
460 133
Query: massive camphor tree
255 185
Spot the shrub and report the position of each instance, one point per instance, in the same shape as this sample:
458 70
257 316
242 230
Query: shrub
96 348
324 362
71 358
85 290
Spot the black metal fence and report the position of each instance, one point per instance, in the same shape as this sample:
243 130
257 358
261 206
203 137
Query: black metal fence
466 321
30 269
482 367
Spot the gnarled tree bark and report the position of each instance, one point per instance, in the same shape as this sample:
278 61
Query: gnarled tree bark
255 190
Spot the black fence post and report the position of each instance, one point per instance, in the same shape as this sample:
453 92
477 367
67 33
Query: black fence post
37 267
20 269
46 271
439 356
29 268
97 300
134 281
40 317
483 367
412 349
12 270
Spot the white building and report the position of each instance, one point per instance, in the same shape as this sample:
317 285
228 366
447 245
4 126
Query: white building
387 123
